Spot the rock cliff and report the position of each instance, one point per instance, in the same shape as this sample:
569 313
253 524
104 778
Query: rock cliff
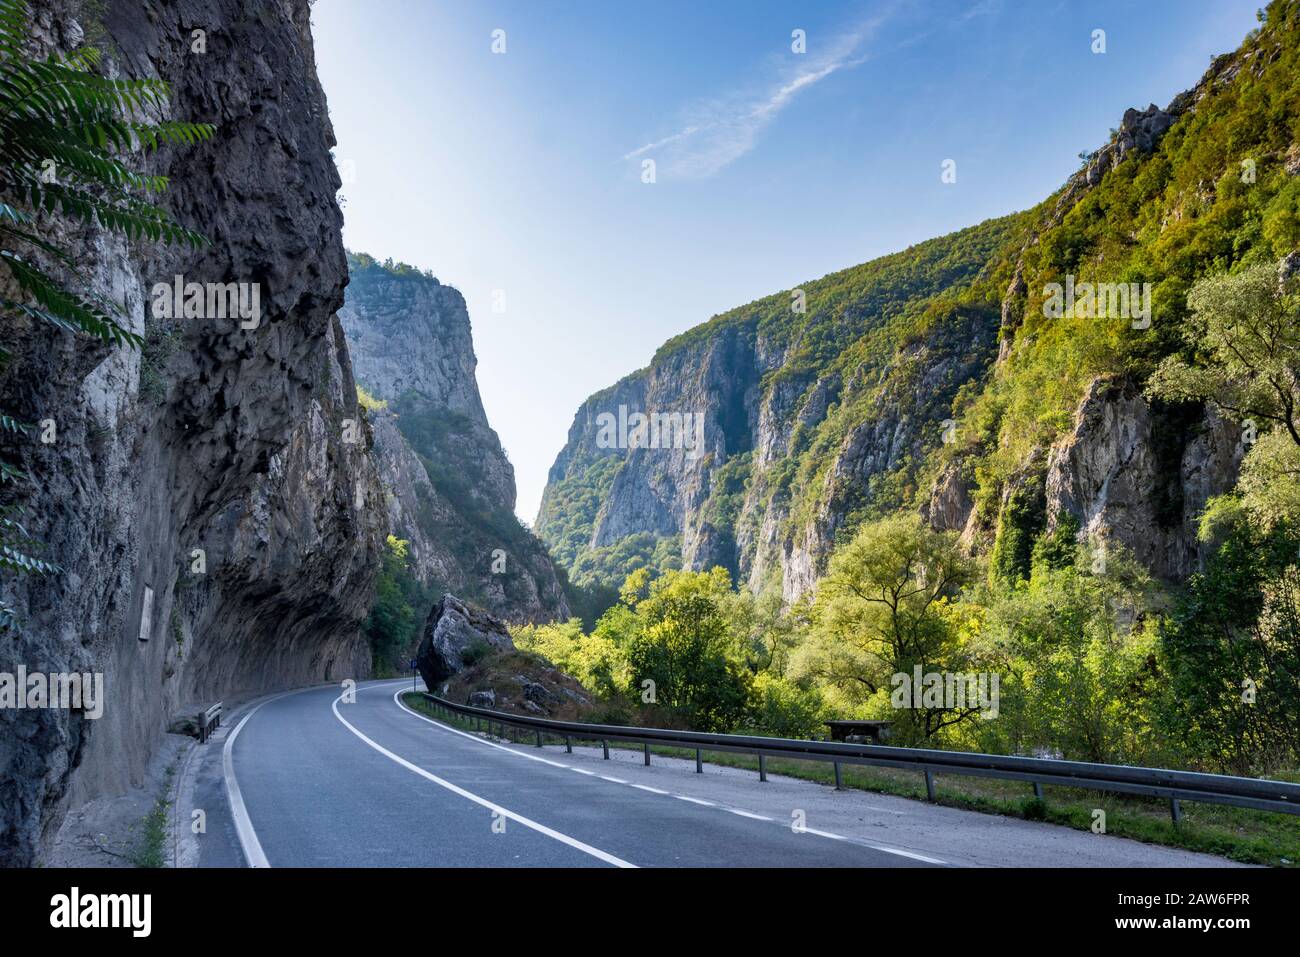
936 379
802 416
216 531
450 487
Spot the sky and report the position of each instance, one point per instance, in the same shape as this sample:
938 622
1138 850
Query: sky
517 174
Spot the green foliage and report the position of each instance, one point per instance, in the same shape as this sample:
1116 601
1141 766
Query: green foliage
1076 646
883 608
784 708
65 136
595 660
643 550
1057 547
397 611
1019 524
369 402
569 515
364 268
474 652
1270 480
1232 648
1244 332
685 646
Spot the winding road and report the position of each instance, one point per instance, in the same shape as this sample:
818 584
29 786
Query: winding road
308 779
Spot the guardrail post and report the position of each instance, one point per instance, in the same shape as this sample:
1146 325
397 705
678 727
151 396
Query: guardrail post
839 779
1176 811
699 765
568 744
539 739
1038 791
605 746
929 785
762 766
647 755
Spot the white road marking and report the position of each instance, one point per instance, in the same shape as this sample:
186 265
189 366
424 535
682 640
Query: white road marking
484 802
397 699
248 841
879 847
687 797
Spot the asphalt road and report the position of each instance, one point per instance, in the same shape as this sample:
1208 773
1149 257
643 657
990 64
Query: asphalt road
331 784
305 779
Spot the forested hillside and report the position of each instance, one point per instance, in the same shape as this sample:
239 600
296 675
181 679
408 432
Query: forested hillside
1061 447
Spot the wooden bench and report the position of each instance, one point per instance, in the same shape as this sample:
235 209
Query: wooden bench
872 731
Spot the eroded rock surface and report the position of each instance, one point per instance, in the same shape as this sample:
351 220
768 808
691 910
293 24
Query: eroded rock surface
213 441
457 634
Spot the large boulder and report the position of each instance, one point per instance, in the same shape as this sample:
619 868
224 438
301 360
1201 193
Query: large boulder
455 636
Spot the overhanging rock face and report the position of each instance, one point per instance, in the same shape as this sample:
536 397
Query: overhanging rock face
214 439
454 632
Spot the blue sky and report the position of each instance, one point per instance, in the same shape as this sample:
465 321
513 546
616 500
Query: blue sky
520 173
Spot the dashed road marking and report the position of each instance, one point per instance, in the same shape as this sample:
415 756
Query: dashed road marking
484 802
397 699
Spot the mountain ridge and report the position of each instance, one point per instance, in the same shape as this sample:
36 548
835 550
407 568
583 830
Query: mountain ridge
889 395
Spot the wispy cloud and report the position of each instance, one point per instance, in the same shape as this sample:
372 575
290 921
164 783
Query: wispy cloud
717 132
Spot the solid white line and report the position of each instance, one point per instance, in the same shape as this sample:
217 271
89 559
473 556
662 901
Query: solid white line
248 842
470 796
397 699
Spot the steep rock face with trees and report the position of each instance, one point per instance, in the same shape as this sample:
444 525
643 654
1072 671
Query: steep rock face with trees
940 380
450 487
807 415
215 531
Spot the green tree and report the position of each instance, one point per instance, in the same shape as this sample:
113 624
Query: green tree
885 607
1076 646
397 610
1244 337
65 136
1232 648
595 660
685 645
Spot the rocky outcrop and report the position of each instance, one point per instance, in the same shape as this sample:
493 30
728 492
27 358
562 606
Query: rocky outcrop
457 635
450 490
819 418
522 683
1141 477
950 505
215 531
410 499
1138 130
411 344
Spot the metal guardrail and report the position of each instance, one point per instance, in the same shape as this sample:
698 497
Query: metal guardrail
1256 793
209 721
